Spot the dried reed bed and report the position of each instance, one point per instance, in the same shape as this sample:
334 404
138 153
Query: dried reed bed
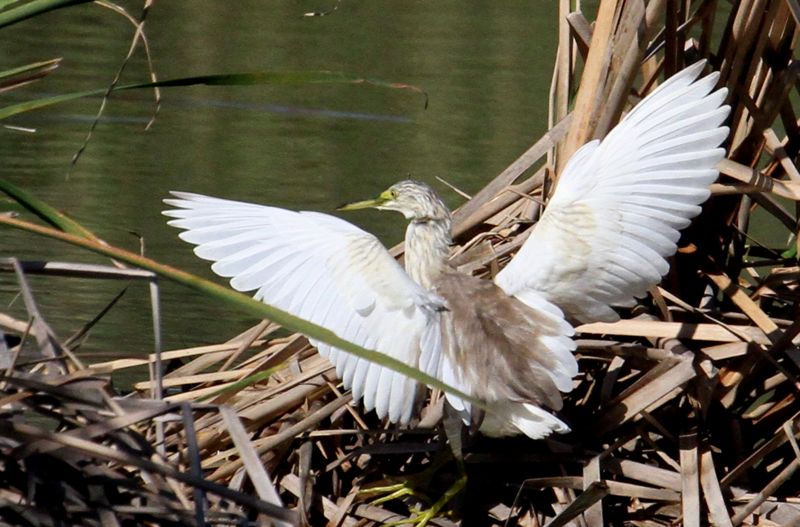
685 412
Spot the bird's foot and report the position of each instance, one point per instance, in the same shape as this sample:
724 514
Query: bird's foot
393 491
410 487
422 517
399 487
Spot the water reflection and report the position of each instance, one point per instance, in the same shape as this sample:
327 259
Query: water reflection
486 70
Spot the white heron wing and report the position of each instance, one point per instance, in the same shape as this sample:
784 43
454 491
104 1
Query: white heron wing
327 271
619 205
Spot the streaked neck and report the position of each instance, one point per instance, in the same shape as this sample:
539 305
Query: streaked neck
427 249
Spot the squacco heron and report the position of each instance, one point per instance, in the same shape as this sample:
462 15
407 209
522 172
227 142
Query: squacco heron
601 242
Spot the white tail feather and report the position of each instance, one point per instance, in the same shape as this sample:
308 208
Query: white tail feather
510 418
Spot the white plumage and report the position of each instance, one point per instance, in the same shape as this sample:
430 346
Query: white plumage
325 270
619 204
601 242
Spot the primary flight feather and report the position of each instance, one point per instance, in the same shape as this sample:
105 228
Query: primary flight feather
601 242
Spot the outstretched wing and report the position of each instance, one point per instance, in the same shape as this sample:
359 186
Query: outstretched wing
620 203
325 270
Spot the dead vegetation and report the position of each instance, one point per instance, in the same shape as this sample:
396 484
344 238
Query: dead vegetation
684 413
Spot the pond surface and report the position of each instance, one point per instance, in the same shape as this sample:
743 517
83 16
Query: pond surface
486 69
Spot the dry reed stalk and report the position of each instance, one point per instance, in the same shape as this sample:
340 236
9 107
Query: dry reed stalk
685 412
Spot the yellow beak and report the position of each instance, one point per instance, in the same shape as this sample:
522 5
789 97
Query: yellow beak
369 203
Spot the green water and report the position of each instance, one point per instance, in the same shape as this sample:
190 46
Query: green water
485 66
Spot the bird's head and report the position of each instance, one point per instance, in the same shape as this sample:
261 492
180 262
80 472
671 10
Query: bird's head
414 200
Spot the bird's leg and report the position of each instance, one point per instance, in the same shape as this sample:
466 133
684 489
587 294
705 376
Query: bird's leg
454 430
409 486
422 517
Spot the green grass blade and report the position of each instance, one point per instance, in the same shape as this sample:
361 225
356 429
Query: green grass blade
28 71
233 79
240 301
45 212
12 14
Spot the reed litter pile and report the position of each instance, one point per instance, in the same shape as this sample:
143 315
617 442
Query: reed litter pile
685 412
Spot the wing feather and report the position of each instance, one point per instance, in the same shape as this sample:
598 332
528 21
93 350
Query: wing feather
619 205
325 270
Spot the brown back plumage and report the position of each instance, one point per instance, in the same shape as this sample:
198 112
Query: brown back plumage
495 340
